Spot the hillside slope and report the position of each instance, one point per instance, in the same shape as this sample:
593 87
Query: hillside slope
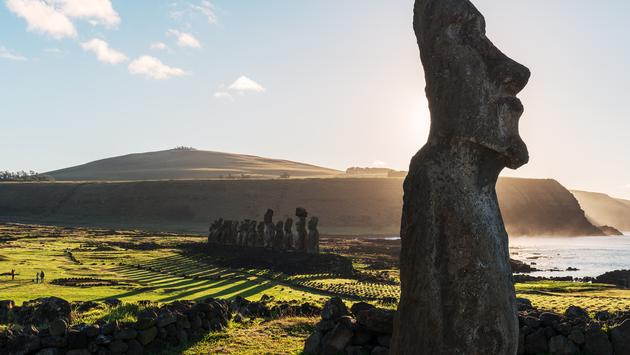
602 209
345 206
177 164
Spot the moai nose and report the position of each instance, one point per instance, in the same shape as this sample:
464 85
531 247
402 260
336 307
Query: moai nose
510 76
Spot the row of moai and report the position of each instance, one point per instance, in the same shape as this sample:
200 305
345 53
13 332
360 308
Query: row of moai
266 234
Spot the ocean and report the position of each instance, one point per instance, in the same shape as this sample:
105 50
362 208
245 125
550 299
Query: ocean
592 256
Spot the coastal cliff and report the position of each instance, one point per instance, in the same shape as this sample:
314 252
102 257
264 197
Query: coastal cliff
344 205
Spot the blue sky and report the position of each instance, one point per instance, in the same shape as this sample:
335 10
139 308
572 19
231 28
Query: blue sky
331 82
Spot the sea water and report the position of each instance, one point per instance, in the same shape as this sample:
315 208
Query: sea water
592 256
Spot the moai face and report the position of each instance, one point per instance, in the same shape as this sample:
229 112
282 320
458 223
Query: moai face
472 94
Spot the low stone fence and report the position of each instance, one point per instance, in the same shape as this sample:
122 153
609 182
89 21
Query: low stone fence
44 328
366 330
363 329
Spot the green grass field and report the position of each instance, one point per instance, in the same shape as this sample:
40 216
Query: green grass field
133 266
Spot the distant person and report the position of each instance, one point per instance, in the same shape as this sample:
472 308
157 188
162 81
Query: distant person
41 276
12 274
37 277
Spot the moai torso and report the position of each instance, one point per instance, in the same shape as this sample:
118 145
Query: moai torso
270 229
312 240
279 236
260 235
300 229
288 234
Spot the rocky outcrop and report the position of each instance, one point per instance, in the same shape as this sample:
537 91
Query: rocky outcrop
620 278
457 295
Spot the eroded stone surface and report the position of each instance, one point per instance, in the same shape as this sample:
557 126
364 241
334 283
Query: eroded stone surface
457 295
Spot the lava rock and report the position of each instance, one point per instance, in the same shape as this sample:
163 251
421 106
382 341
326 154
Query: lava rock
337 339
378 320
334 308
596 341
536 342
58 327
620 336
576 312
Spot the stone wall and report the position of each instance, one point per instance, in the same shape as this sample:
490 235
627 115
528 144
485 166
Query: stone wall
364 329
43 325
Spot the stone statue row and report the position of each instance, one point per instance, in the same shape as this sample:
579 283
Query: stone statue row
266 234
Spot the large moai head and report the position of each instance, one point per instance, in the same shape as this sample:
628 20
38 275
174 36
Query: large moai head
470 84
301 212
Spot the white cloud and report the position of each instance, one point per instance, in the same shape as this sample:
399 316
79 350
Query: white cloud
159 46
95 11
206 9
153 68
52 17
103 52
379 163
246 84
627 186
185 39
181 9
223 95
6 53
43 18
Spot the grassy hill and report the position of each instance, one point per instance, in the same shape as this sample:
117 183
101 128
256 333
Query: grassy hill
602 209
344 205
179 164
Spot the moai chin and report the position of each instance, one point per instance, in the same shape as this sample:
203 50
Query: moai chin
457 295
313 236
300 229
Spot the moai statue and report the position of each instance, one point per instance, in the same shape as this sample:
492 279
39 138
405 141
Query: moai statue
312 239
270 229
278 238
288 234
225 232
300 229
260 235
251 234
234 233
242 233
457 295
214 230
